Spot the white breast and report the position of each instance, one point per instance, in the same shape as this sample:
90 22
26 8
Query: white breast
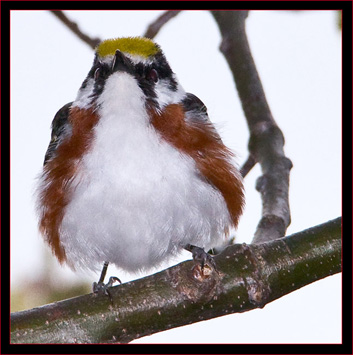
136 200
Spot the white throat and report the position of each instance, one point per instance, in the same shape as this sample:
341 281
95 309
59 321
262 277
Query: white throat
121 97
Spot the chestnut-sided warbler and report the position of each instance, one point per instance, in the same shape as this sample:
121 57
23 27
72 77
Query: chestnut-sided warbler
135 171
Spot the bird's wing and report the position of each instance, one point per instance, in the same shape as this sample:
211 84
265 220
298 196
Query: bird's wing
186 126
196 112
59 126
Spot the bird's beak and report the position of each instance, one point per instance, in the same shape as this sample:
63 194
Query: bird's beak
121 63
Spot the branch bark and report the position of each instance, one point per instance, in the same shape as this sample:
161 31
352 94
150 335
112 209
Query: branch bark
247 166
249 276
266 139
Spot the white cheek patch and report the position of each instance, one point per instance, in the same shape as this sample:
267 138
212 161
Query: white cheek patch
84 96
165 96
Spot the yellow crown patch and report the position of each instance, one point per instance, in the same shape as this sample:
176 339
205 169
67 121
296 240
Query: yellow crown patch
141 46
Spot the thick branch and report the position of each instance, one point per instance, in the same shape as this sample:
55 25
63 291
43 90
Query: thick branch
92 42
249 276
155 26
266 139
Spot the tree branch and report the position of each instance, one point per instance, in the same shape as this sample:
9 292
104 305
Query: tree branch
249 276
155 26
266 139
247 166
92 42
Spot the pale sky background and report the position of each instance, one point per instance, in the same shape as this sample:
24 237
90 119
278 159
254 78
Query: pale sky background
298 56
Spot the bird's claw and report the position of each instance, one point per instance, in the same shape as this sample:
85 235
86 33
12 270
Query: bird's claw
201 257
101 287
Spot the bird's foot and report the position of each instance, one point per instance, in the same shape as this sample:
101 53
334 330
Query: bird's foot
203 259
101 288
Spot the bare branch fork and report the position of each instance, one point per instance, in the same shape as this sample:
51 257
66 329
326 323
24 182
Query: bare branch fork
151 31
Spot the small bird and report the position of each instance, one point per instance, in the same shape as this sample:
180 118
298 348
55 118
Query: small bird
135 171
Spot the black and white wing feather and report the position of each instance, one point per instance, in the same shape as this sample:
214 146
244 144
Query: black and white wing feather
196 112
59 126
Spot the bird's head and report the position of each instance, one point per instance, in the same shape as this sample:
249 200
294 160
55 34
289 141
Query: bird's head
130 64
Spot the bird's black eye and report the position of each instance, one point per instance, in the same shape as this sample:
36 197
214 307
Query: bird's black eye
96 73
152 75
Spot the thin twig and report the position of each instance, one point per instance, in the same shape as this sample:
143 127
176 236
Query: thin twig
155 26
266 139
92 42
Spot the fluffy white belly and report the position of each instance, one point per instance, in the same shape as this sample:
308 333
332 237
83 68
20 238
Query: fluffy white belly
137 200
